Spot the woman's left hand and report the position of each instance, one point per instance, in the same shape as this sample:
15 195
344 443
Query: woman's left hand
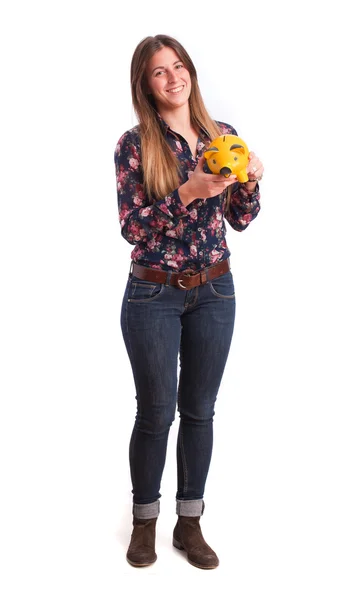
255 167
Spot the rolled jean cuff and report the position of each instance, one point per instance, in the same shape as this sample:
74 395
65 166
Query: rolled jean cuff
146 511
190 508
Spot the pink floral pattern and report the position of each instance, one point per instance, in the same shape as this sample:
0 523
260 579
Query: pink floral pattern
166 234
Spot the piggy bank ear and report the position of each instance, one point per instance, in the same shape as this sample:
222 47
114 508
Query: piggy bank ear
210 151
237 147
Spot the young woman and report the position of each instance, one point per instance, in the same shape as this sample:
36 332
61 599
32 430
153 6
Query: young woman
180 298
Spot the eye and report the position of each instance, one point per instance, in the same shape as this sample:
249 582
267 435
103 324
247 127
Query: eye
235 158
180 66
214 162
158 73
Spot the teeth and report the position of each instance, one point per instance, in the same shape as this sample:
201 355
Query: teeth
176 90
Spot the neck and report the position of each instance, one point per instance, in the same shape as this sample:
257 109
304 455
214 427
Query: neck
177 119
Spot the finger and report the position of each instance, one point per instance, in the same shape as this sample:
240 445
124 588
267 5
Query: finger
254 160
201 162
226 181
230 180
254 166
222 178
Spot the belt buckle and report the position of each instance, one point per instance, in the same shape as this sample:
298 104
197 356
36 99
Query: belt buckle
180 284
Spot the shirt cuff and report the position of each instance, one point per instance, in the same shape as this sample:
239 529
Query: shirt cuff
246 195
173 206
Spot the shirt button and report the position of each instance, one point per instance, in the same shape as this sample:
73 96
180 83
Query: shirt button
199 228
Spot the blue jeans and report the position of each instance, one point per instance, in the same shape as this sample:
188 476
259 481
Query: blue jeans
159 323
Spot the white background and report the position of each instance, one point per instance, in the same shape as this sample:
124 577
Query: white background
275 494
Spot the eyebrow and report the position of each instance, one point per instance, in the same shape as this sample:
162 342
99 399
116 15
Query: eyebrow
176 61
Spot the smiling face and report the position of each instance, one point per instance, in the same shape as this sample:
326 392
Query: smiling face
168 80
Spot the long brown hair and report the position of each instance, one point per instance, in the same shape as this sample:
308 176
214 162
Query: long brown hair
160 166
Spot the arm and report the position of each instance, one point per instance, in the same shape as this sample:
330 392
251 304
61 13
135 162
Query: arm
243 207
139 219
244 204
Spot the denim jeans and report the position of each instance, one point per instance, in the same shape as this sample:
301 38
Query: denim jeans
161 323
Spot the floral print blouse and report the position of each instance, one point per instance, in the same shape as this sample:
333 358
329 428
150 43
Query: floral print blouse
166 234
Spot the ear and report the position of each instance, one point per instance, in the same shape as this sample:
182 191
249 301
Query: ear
210 151
238 147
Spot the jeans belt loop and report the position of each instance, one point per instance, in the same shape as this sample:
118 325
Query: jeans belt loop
206 273
167 281
203 277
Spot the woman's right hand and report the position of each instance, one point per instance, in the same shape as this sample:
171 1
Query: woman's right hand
203 185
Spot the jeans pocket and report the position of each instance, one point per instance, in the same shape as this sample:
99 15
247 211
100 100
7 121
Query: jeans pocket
140 290
223 286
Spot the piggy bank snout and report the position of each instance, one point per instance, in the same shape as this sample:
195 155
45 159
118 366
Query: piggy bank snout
226 171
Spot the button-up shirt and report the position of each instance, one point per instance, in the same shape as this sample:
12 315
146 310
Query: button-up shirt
166 233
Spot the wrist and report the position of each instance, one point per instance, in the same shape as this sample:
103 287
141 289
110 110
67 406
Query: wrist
250 185
185 193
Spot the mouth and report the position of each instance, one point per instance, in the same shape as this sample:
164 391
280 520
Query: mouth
175 90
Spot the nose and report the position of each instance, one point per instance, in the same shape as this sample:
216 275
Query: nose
172 76
225 171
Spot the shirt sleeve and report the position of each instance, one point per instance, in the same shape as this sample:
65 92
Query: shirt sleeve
244 206
141 219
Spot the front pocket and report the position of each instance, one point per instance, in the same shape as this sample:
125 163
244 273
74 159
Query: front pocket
223 286
143 291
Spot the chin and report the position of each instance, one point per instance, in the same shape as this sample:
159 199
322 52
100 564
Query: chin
178 101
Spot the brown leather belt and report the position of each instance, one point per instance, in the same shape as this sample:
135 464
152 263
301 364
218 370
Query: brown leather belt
183 280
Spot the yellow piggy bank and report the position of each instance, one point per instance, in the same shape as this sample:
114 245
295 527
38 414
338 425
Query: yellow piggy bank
228 155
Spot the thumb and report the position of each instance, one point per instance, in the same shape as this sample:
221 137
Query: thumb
201 163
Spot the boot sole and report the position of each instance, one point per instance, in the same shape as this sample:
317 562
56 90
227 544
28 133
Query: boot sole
179 546
146 564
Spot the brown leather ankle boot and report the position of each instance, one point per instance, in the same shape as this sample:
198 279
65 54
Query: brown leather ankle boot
141 551
188 536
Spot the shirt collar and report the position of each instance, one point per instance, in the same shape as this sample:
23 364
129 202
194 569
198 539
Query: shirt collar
162 123
165 128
